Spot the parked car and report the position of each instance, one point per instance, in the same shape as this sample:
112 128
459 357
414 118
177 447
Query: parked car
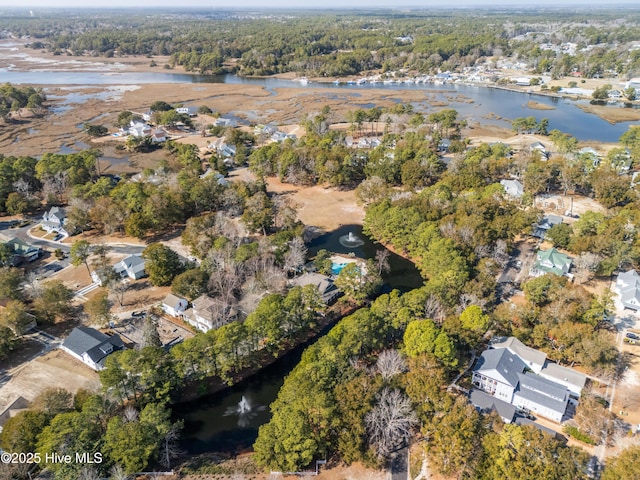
57 237
139 314
632 336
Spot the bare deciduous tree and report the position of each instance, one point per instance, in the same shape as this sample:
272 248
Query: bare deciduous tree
88 473
434 309
55 185
586 265
390 363
117 473
169 450
296 256
382 261
24 188
130 414
390 422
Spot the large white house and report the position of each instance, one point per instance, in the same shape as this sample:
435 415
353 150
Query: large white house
522 377
54 220
628 289
207 313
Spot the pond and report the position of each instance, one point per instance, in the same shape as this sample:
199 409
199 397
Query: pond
228 421
403 274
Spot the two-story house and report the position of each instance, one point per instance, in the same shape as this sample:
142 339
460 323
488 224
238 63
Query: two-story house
54 220
520 376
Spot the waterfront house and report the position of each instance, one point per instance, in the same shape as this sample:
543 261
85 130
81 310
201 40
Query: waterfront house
327 289
541 149
207 313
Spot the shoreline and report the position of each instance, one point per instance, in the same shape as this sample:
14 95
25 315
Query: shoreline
15 56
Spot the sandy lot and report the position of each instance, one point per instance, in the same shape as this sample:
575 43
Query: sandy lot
55 369
323 208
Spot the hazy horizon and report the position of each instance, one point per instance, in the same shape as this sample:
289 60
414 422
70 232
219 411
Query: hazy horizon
333 4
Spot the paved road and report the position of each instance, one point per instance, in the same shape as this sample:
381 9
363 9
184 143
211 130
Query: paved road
23 234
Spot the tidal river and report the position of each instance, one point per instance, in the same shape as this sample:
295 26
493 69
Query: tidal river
475 103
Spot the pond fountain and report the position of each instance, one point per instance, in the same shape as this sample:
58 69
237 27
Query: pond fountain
245 412
351 241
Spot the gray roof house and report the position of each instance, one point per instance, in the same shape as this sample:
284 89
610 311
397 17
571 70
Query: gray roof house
533 359
548 221
132 267
520 376
174 305
207 313
628 289
540 147
513 188
486 403
328 291
54 220
91 346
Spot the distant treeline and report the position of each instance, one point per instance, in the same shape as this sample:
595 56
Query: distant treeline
345 43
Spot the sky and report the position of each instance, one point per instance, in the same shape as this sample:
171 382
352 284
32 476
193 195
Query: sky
265 4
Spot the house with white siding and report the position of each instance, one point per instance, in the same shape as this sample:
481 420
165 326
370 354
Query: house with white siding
628 289
521 376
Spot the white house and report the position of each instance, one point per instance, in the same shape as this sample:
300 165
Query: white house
628 289
191 111
513 188
551 261
139 129
521 376
91 346
54 220
225 122
539 147
131 266
207 313
174 305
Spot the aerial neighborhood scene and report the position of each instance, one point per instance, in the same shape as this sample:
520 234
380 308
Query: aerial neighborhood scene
360 241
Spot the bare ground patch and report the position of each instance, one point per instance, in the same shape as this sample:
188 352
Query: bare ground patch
53 370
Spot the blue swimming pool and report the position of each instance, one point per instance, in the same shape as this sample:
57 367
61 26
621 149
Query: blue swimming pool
336 268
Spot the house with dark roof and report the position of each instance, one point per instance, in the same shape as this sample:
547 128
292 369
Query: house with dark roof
486 403
628 289
548 221
91 346
522 377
